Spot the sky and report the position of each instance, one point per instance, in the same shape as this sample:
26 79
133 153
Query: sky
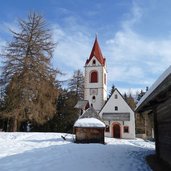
134 35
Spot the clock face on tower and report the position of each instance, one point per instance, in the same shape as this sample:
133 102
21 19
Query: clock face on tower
93 91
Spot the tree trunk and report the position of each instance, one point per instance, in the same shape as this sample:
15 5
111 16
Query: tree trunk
15 124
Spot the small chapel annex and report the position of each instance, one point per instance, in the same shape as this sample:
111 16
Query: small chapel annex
114 112
118 117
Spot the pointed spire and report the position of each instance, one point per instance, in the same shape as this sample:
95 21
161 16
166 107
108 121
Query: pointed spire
96 36
96 51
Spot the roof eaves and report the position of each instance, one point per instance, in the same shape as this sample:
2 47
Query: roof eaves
148 95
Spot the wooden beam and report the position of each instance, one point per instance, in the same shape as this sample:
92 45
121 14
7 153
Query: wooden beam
156 136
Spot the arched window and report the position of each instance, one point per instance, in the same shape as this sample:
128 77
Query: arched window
94 77
93 99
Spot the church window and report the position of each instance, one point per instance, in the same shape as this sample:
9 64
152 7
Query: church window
94 98
116 96
126 129
116 108
94 77
94 62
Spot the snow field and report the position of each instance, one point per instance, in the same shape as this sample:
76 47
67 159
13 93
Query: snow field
48 151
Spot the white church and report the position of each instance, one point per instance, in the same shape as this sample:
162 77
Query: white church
114 112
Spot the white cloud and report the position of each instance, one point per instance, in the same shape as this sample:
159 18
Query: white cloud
72 50
134 58
5 27
134 17
132 91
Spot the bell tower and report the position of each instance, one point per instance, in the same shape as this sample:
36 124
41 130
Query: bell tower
95 84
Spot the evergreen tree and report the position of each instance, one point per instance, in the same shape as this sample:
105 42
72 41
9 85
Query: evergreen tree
112 90
131 102
125 96
76 84
66 115
140 95
28 78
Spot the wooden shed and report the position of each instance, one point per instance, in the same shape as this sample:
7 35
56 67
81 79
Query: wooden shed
89 128
157 101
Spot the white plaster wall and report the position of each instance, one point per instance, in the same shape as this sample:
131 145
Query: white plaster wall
122 108
102 88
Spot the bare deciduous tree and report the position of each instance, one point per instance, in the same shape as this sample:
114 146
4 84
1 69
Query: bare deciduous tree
28 77
76 84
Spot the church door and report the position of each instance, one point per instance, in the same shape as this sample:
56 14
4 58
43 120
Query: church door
116 131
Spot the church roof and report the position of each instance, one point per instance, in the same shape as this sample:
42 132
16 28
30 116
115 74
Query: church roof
111 97
96 51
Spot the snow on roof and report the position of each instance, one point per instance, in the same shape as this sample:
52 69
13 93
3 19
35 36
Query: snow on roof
165 74
89 122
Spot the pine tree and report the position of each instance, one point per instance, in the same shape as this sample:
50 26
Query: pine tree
28 79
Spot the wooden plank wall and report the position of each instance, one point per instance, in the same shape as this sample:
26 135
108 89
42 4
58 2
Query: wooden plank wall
89 135
164 130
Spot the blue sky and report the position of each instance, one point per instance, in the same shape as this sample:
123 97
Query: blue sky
134 35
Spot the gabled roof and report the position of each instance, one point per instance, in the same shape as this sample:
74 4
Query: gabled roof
89 118
116 90
90 113
96 51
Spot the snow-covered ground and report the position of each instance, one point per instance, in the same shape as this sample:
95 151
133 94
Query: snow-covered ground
49 152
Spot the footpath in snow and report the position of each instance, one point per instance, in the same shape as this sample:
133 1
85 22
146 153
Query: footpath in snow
49 152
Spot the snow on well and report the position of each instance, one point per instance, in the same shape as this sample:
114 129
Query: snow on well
49 152
89 122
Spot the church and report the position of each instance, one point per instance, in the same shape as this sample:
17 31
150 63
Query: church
114 112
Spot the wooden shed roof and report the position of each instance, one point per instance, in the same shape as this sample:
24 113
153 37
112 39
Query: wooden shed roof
90 118
90 113
157 93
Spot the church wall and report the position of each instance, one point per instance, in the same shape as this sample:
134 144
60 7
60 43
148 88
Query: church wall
122 108
101 94
96 94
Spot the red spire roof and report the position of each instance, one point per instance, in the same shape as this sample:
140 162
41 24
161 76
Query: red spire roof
96 51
